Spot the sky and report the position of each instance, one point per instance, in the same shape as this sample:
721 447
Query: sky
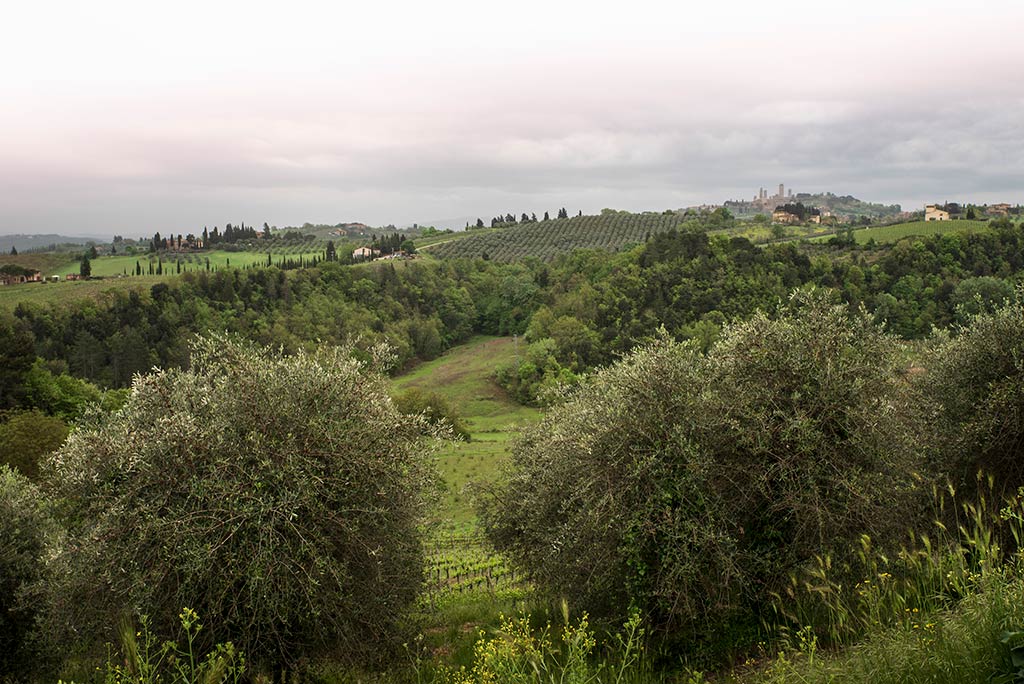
134 117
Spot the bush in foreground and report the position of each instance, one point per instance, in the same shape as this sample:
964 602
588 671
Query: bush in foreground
976 383
26 437
690 486
434 408
25 532
279 497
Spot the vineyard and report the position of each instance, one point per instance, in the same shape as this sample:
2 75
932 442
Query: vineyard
547 240
462 564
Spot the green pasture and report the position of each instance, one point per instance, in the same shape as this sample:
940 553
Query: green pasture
898 231
195 261
465 377
70 291
46 262
109 268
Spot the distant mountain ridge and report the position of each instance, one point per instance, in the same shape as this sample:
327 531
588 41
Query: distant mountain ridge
23 242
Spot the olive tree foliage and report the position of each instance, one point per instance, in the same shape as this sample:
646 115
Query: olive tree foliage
279 497
690 485
975 381
26 530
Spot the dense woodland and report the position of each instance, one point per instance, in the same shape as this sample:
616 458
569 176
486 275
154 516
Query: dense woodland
582 311
737 437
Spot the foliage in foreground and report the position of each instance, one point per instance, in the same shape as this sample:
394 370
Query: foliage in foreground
434 408
147 660
977 381
516 652
25 531
978 642
690 486
278 496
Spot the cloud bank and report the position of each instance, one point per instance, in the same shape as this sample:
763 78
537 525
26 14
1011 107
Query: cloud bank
124 120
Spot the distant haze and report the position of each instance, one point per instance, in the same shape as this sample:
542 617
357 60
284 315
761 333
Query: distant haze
129 117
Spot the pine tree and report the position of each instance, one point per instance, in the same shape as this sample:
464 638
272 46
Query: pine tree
546 217
14 251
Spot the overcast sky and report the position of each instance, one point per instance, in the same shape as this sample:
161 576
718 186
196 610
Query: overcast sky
119 117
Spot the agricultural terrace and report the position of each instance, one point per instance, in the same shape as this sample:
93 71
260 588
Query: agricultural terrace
547 240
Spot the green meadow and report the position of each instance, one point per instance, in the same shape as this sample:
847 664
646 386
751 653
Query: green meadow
197 261
898 231
464 376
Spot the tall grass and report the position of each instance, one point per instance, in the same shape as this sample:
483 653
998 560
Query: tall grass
948 607
932 572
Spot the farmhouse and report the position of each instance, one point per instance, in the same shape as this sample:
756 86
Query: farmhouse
1002 209
933 213
782 216
13 275
365 253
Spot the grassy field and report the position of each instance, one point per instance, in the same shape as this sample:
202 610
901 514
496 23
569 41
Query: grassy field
896 232
118 265
464 376
109 267
468 584
70 291
47 262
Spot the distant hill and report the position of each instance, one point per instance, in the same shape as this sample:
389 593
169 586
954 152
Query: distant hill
546 240
23 243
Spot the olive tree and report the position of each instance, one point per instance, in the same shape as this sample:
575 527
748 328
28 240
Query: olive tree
975 380
26 530
691 485
279 497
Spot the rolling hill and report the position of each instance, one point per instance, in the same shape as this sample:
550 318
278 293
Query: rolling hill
547 240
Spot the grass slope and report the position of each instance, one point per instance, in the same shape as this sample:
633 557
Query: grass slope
464 376
118 265
46 262
66 292
110 267
898 231
547 240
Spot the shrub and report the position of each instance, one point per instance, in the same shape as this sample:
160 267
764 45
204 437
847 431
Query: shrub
280 497
689 485
432 407
26 437
976 383
25 531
